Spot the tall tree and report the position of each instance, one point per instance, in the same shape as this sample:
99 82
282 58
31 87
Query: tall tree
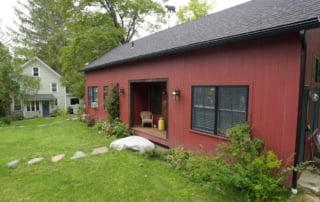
14 85
193 10
92 35
131 15
96 26
41 30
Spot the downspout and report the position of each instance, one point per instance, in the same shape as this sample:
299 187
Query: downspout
299 146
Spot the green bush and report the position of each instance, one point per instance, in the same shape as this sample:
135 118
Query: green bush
246 166
17 116
112 103
90 121
242 165
5 121
58 112
113 128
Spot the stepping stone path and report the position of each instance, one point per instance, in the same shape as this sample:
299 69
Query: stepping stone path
13 163
35 160
78 154
57 158
100 150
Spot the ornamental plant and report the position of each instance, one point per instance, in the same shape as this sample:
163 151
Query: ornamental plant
112 103
245 165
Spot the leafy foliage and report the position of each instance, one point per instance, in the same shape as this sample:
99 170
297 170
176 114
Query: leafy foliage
129 15
113 128
112 103
245 165
41 30
193 10
68 34
95 36
14 85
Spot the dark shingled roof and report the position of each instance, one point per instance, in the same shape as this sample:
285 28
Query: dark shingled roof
249 20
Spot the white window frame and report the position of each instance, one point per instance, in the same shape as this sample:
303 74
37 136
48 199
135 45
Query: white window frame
51 87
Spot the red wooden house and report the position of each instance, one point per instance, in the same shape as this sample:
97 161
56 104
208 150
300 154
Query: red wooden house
257 62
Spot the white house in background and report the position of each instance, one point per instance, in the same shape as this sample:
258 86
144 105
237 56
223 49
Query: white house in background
52 94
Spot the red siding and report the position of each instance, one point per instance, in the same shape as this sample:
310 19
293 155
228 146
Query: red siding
270 67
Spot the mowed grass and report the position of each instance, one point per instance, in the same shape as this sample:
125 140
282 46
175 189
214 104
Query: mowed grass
114 176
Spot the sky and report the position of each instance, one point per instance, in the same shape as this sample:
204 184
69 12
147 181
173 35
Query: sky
7 15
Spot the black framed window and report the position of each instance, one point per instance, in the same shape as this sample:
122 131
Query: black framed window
74 101
105 95
316 70
92 95
217 108
35 71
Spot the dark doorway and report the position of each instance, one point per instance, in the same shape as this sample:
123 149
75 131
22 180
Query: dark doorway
148 95
45 108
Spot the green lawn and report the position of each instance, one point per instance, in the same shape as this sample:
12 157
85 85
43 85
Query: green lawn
114 176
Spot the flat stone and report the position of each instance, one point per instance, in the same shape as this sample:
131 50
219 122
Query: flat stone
57 157
34 160
100 150
13 163
310 181
78 154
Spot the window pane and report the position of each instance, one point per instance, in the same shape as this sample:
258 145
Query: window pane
54 87
232 107
35 71
92 94
74 101
203 108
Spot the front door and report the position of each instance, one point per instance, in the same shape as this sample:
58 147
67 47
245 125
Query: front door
45 108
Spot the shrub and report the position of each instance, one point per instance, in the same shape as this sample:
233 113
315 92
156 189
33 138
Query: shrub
5 121
17 116
58 112
90 121
112 103
245 165
113 128
178 158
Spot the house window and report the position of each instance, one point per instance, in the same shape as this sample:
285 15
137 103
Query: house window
35 71
17 105
74 101
316 70
54 87
156 99
33 106
105 95
216 108
92 95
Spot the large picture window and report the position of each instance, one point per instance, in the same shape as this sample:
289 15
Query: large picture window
92 95
216 108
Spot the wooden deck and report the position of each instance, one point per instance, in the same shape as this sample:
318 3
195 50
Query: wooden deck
151 131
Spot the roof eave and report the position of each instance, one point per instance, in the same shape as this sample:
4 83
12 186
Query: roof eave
289 28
